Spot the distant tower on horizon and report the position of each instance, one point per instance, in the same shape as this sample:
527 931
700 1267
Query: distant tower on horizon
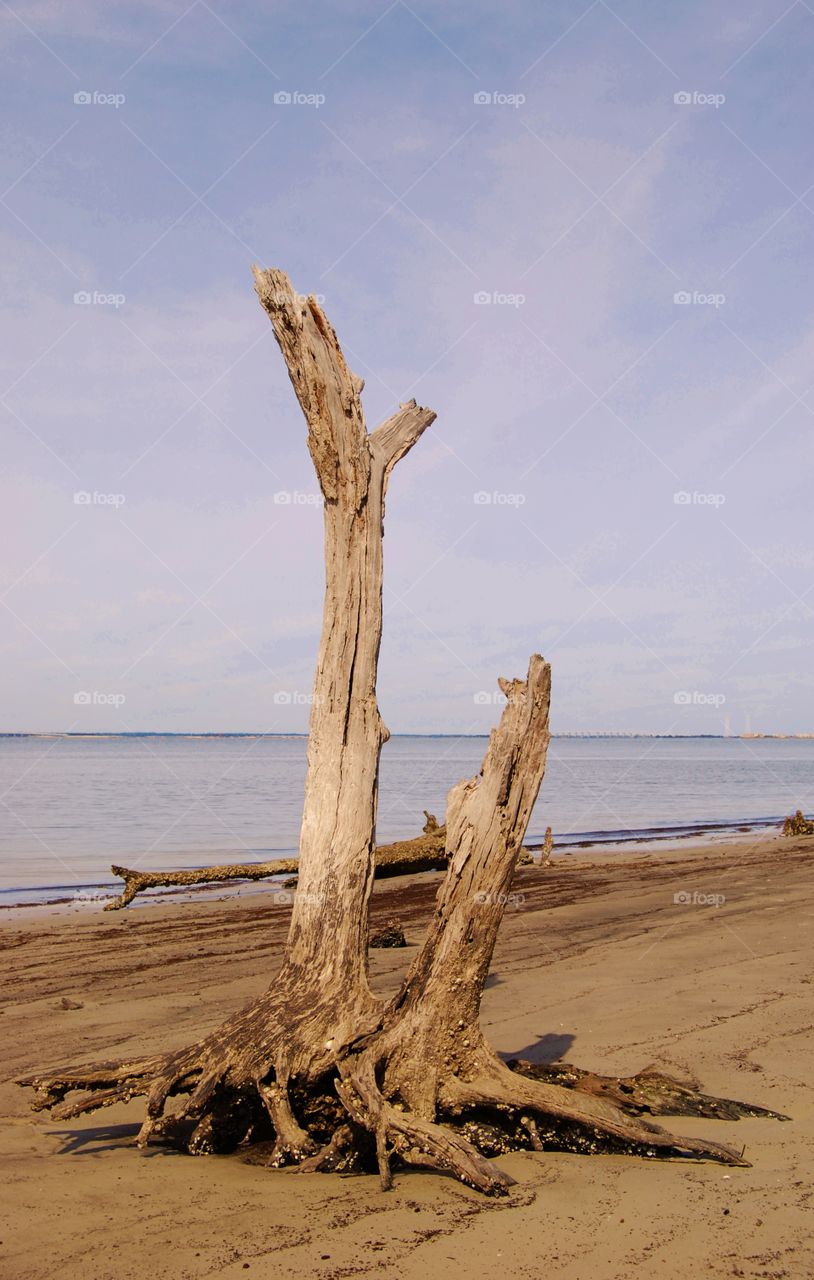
727 726
748 723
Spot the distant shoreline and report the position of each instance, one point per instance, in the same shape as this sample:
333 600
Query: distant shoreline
168 733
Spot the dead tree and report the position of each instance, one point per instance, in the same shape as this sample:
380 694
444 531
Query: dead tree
317 1071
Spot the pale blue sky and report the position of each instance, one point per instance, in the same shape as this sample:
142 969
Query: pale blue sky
580 410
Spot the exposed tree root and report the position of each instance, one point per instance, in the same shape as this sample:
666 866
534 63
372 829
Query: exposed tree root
648 1090
344 1121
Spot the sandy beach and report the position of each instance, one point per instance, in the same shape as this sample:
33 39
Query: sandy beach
600 964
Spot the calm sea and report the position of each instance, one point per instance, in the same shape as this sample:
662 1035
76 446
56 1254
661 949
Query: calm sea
71 807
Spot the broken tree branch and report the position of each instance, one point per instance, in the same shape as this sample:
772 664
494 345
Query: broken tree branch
403 857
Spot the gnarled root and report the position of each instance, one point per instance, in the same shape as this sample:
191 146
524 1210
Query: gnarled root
369 1112
453 1122
412 1138
648 1091
292 1144
569 1120
239 1080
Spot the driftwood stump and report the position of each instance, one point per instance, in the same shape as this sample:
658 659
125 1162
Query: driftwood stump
317 1071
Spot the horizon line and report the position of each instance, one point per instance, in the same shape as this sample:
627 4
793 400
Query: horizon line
249 733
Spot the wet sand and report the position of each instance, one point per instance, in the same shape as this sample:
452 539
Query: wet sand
599 965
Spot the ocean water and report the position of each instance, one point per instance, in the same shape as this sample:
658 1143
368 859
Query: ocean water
72 806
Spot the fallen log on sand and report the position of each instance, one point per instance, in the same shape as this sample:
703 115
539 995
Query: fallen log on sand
425 853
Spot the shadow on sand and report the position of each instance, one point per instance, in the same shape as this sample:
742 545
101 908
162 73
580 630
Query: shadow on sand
549 1048
108 1137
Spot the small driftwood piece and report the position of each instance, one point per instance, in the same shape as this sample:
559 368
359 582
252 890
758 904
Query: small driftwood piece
424 853
391 934
798 825
548 848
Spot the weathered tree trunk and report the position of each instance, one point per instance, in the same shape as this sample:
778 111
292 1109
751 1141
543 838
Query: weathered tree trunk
317 1071
326 953
430 1061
